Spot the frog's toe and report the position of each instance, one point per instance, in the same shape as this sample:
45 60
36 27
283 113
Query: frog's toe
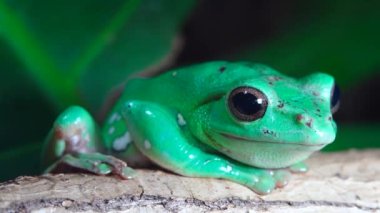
124 172
115 163
128 173
299 167
102 169
120 168
264 184
281 177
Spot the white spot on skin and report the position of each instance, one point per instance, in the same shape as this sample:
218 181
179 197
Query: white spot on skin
121 143
174 74
114 117
228 168
147 144
111 130
181 121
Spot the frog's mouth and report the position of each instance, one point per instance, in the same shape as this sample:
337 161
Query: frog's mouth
262 154
242 139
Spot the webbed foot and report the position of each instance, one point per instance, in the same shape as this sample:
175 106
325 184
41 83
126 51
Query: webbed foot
268 180
277 178
95 163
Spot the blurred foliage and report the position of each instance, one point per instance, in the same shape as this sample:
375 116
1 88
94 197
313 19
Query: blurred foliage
57 53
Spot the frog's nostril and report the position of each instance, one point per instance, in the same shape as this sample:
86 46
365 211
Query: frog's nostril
304 119
299 118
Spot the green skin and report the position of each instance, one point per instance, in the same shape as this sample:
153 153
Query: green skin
181 121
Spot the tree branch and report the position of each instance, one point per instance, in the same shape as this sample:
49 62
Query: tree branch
343 181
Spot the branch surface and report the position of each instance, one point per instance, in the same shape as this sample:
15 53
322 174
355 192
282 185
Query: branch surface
342 181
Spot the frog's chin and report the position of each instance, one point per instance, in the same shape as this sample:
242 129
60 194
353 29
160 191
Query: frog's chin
262 154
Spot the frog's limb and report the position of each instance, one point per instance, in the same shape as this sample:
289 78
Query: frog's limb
96 163
75 141
118 140
158 135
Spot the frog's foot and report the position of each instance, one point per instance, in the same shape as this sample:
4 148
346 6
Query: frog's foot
262 184
95 163
277 178
269 180
281 176
300 167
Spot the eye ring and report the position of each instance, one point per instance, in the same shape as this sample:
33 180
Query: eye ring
335 99
247 103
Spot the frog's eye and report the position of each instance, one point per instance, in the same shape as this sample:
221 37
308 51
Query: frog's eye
335 99
247 103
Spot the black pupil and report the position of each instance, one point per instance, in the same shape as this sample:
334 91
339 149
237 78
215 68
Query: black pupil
335 96
247 103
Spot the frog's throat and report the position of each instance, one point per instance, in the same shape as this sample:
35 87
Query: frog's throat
242 139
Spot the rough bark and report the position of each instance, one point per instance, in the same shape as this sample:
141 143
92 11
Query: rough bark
338 182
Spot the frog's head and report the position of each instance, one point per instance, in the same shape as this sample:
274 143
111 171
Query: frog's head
268 120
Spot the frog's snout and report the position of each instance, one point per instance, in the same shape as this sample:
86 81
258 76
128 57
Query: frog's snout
325 129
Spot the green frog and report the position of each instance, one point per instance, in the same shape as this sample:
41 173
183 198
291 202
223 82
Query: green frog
239 121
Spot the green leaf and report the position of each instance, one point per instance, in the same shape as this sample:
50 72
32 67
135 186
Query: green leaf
77 49
339 37
37 61
25 113
141 43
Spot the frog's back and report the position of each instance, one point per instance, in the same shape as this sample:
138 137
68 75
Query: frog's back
194 83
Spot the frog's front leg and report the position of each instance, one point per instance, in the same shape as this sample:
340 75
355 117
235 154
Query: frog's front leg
75 143
158 135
